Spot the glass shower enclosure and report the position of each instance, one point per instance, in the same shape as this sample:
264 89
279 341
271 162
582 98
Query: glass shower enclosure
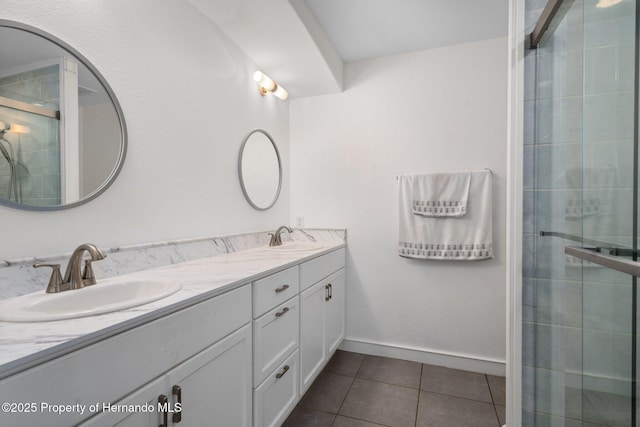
580 299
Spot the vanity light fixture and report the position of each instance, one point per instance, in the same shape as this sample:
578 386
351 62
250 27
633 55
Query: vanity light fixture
13 128
267 85
607 3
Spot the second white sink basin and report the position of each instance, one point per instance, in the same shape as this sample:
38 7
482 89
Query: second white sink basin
106 296
295 247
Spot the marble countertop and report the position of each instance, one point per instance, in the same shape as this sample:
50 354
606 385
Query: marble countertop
25 345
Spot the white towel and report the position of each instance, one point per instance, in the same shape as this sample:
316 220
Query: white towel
468 237
441 194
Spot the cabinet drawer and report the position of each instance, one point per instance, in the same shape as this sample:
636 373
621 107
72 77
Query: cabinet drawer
317 269
274 290
275 336
276 397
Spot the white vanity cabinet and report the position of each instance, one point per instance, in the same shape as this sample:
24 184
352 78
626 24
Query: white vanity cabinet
321 313
242 358
212 388
275 339
205 349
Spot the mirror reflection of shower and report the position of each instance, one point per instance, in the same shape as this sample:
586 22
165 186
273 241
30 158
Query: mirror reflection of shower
17 169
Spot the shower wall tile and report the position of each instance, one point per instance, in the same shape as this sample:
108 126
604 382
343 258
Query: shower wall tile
556 395
529 126
608 116
528 211
608 69
528 387
559 165
613 221
608 356
559 302
551 262
529 256
559 74
559 120
609 26
555 210
530 81
528 299
608 164
558 347
608 306
528 178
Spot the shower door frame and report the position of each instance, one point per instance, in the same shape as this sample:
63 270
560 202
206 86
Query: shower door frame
515 190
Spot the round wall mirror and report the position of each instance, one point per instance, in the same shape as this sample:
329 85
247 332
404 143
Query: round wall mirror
62 132
260 170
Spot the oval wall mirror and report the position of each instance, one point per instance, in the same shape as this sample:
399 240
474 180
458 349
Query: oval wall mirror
62 132
260 170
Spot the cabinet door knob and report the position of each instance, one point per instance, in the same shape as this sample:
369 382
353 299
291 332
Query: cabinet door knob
327 296
284 371
177 391
282 288
280 313
162 400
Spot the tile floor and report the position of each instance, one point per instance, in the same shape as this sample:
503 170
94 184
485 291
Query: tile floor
356 390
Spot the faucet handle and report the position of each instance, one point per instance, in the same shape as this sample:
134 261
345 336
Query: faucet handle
56 278
87 274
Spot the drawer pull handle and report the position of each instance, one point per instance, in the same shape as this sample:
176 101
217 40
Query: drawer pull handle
177 391
330 291
162 400
284 371
280 313
282 288
327 296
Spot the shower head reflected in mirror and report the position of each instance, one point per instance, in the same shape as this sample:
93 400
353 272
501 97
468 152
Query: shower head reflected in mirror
4 128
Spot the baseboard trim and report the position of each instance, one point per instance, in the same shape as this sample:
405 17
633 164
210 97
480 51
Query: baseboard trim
449 360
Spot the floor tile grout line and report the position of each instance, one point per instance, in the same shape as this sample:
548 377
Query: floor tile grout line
353 380
458 397
419 390
493 400
360 419
419 393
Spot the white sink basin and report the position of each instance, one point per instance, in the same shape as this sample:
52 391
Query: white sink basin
106 296
295 247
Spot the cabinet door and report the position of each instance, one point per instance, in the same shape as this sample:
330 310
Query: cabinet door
215 384
335 311
125 413
313 342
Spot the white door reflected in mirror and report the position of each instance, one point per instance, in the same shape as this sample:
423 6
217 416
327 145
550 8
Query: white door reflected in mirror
260 170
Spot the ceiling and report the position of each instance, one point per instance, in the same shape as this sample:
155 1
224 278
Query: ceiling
303 44
361 29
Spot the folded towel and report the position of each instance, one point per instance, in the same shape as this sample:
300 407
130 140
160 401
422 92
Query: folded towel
441 194
467 237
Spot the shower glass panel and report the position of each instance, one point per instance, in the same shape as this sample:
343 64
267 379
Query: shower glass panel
579 358
30 147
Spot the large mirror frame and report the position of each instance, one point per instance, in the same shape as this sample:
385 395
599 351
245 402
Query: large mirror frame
242 178
114 101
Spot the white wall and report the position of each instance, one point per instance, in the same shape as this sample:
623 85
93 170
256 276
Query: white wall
435 110
188 100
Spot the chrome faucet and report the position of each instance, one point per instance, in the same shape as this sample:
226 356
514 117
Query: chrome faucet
276 238
74 276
